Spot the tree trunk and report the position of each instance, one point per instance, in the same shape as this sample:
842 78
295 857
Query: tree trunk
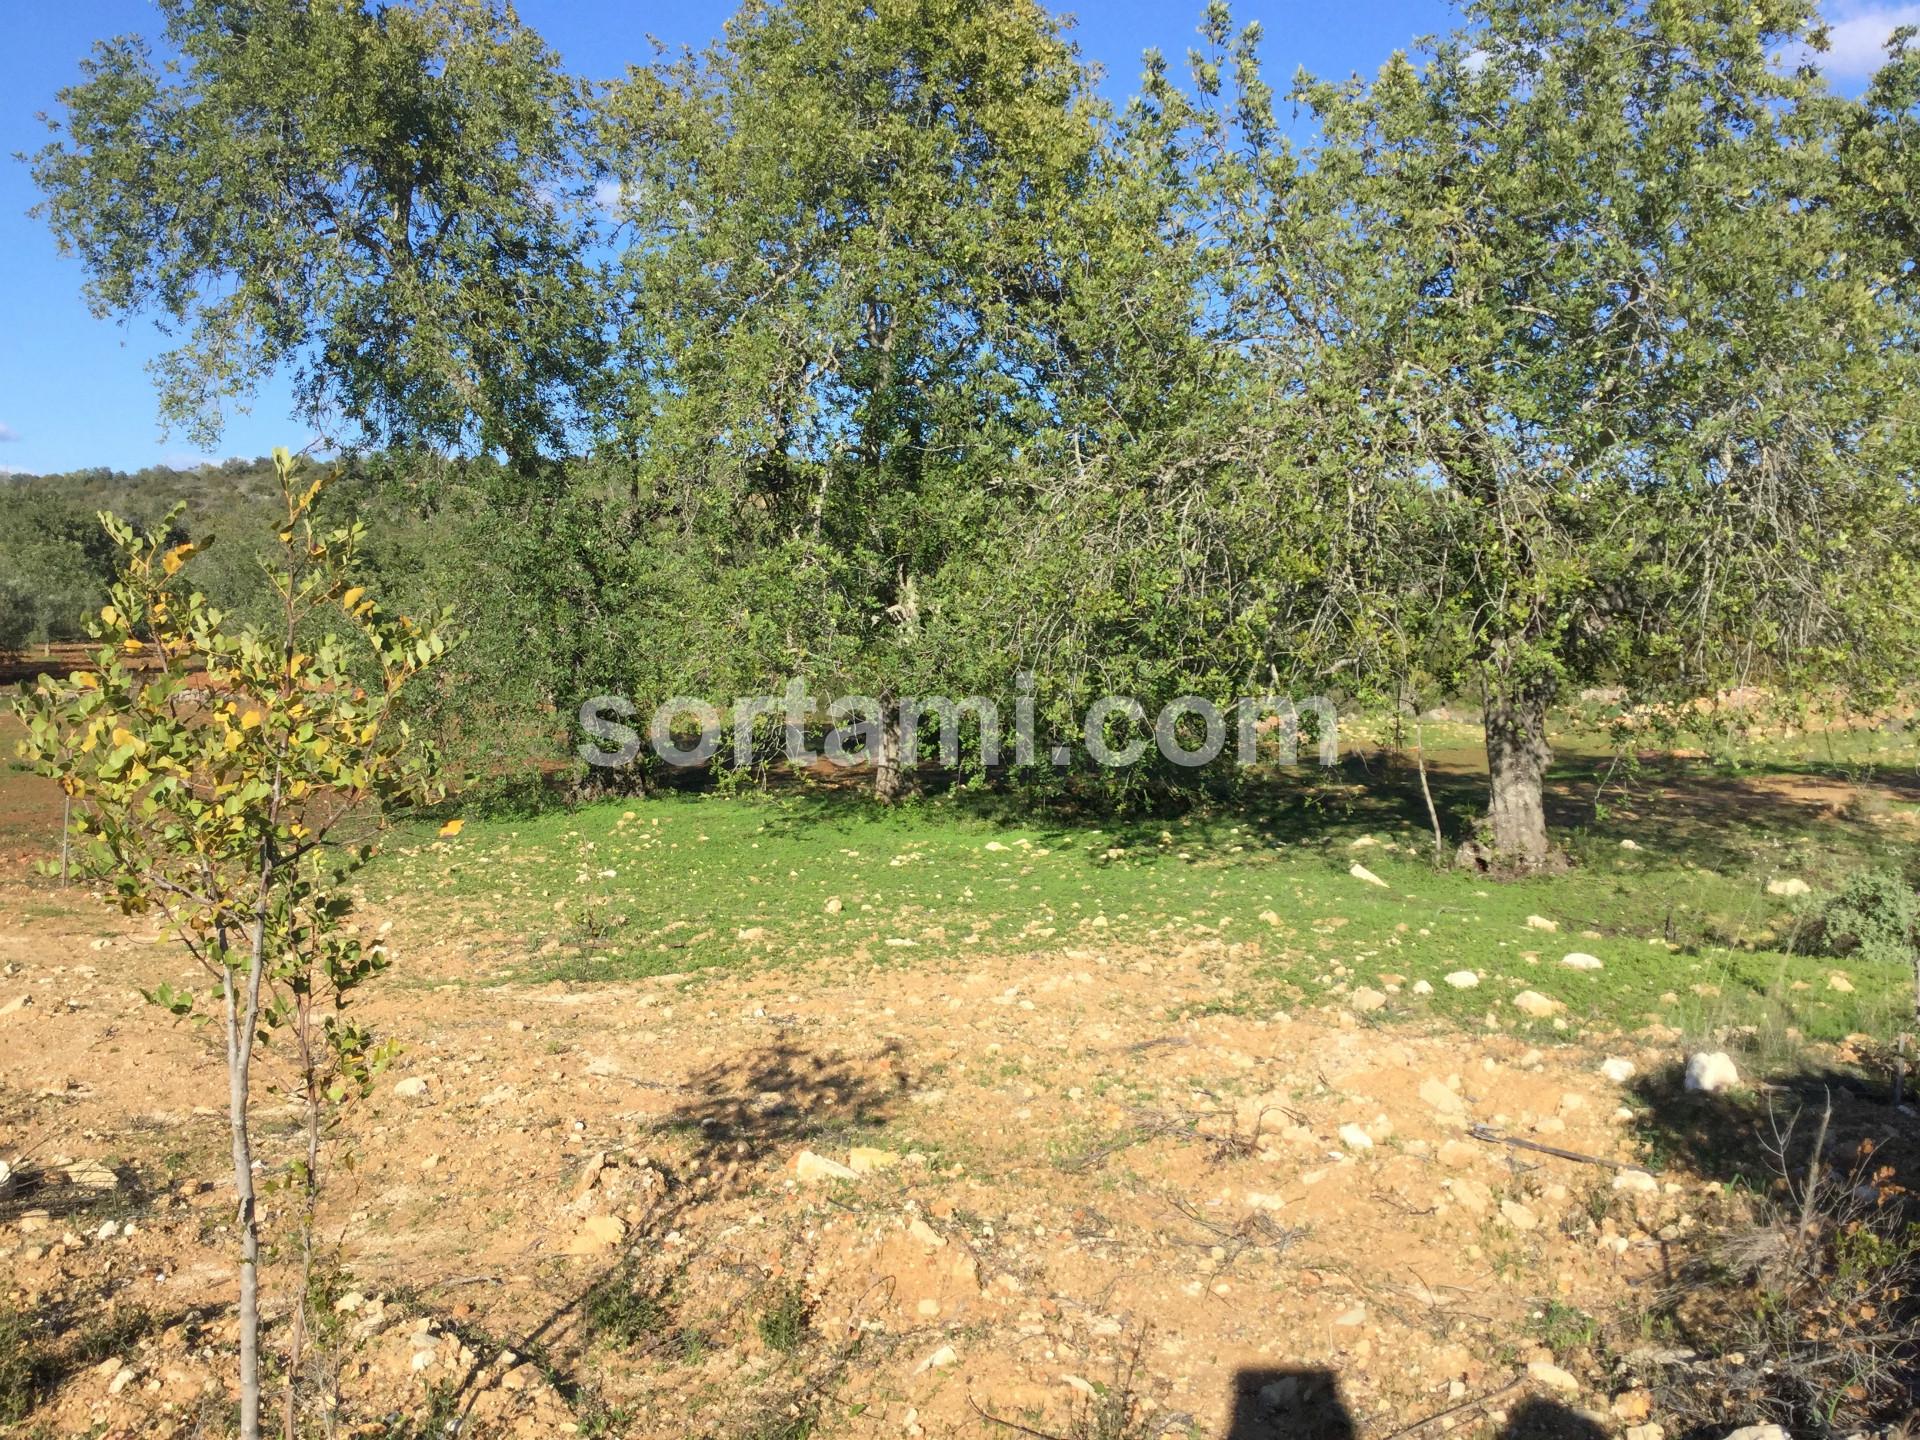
1517 760
240 1023
889 761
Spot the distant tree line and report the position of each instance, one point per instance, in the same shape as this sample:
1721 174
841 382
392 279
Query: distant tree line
871 343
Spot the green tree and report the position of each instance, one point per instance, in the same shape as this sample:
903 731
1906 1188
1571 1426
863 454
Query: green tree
374 199
212 791
1603 306
847 244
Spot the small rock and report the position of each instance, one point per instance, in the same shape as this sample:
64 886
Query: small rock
94 1174
1354 1138
865 1159
16 1005
1789 889
811 1167
1552 1376
1711 1071
835 905
1436 1094
919 1230
124 1377
1649 1431
1638 1181
1360 872
590 1175
1421 987
1463 979
1632 1405
521 1377
1617 1069
1356 1316
1532 1002
1364 1000
1540 922
597 1234
1758 1432
938 1360
414 1087
1839 982
1629 844
1518 1215
1580 960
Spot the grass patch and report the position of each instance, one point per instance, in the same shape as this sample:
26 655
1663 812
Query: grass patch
1684 925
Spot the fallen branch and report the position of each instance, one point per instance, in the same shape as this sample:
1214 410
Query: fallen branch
1494 1137
1474 1403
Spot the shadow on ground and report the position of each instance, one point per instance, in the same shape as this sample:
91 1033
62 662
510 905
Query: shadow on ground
767 1103
1760 1134
1306 1404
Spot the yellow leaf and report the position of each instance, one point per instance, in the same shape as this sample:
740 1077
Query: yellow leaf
130 645
250 720
352 595
176 557
122 735
451 828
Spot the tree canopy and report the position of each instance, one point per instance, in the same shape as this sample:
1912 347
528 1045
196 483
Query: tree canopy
871 343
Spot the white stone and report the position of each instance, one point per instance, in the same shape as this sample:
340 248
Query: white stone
1532 1002
1789 889
1580 960
811 1167
938 1360
414 1087
1629 844
1463 979
1354 1138
1540 922
1711 1071
1617 1068
1364 1000
1360 872
1421 987
1839 983
1638 1181
1553 1377
1758 1432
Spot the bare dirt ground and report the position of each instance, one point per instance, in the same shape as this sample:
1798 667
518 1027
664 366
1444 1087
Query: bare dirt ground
622 1209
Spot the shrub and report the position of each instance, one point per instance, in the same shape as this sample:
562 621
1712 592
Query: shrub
1874 917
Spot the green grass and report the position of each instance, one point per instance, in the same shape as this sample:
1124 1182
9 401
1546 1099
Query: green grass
684 882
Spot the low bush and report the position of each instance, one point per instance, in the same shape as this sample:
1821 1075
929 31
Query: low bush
1874 917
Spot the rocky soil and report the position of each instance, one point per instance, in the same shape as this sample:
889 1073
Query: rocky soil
890 1200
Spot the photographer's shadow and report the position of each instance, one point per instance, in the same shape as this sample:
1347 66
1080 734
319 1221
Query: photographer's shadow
1306 1404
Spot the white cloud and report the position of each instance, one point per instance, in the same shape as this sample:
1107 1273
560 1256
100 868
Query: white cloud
8 435
1857 32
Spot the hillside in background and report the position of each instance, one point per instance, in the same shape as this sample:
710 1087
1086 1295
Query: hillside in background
54 557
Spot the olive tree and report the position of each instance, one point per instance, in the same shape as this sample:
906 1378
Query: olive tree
1606 313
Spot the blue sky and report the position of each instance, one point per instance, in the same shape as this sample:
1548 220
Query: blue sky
74 390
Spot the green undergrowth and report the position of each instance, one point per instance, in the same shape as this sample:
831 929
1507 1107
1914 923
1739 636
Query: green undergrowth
1684 926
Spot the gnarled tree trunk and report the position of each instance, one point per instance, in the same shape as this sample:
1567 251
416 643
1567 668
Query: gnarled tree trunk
890 759
1517 760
